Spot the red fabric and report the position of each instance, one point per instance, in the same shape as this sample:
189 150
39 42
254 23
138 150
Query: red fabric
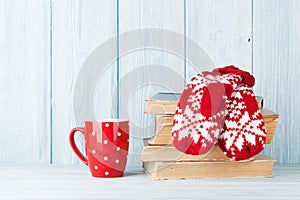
202 108
244 134
247 78
211 99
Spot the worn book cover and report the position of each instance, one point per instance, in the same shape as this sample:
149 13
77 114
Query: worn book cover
260 166
163 127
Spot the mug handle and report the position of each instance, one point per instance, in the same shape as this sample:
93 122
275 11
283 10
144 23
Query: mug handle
74 147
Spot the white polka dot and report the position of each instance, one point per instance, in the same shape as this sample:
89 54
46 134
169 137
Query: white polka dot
105 158
96 167
105 142
94 151
118 148
93 133
119 134
117 161
106 173
106 125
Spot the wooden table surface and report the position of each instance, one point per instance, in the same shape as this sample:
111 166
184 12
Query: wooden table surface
75 182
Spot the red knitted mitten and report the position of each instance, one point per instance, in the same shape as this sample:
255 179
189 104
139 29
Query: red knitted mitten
201 109
244 133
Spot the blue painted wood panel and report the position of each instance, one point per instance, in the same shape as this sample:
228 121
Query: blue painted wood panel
25 82
149 66
79 27
276 65
224 31
44 44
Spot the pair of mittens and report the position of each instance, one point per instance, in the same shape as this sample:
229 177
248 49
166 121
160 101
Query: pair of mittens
219 106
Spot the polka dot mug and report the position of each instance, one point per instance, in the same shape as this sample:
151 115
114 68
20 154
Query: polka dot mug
106 146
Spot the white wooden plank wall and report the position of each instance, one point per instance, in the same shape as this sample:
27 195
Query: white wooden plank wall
24 81
277 67
144 71
78 28
223 29
44 44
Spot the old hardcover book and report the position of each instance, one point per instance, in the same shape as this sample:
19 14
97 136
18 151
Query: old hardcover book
163 127
270 119
163 130
170 153
161 139
166 103
162 103
260 166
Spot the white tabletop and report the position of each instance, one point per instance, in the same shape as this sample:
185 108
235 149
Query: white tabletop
75 182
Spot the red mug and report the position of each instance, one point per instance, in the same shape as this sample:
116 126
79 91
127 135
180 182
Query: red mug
106 145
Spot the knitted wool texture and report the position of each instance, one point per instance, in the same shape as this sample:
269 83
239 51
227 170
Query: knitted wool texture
202 108
243 134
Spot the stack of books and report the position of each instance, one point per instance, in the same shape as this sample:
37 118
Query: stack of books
161 160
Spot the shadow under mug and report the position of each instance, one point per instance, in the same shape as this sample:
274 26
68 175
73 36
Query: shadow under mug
106 145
